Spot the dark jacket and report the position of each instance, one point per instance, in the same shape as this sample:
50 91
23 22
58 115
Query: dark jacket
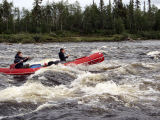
18 59
62 57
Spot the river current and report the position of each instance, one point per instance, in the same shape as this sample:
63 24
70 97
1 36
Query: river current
126 86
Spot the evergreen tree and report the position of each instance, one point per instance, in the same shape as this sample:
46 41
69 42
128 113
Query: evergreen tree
131 24
102 14
119 26
61 16
26 20
1 19
149 4
157 21
74 20
91 20
36 16
7 16
17 20
137 4
109 18
144 7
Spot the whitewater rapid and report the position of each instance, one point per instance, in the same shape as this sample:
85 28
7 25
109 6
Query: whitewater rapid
125 86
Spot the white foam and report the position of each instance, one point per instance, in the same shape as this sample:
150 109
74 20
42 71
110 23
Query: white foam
153 53
86 84
35 92
101 51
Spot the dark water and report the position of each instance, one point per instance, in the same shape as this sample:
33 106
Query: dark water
126 86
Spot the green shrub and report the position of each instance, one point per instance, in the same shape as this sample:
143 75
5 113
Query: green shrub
53 34
27 41
46 38
2 40
119 26
36 38
150 35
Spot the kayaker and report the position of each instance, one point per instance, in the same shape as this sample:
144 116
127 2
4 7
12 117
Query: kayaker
19 60
62 56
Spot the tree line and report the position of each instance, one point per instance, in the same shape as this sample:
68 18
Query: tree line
113 18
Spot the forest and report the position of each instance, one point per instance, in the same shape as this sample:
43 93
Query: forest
63 19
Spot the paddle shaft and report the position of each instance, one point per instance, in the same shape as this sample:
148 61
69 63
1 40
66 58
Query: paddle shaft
13 65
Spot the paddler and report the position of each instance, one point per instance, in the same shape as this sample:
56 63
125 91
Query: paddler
19 60
62 56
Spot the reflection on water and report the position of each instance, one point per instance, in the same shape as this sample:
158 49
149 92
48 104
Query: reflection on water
126 86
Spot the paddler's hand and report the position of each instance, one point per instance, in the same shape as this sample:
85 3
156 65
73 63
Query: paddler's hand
68 55
29 58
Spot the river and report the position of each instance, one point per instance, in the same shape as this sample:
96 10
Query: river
126 86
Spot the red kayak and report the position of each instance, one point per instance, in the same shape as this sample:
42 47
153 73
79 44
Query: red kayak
87 60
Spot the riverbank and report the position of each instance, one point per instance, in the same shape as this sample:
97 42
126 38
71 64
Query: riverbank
65 37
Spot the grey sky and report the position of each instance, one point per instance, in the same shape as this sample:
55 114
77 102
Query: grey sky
28 3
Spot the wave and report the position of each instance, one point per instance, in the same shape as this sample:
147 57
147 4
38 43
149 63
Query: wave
117 82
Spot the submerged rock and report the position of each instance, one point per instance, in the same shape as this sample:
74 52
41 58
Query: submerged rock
51 78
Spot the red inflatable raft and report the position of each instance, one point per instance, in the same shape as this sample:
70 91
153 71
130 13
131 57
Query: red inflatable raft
87 60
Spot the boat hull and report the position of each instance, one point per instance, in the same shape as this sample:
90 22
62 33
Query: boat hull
26 71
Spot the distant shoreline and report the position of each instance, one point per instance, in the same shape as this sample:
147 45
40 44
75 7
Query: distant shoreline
49 38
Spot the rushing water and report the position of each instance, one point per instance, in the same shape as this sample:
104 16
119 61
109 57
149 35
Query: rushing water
126 86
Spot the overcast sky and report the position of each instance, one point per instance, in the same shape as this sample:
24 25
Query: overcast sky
28 3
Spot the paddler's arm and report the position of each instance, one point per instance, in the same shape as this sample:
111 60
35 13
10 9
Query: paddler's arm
67 56
25 59
17 60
